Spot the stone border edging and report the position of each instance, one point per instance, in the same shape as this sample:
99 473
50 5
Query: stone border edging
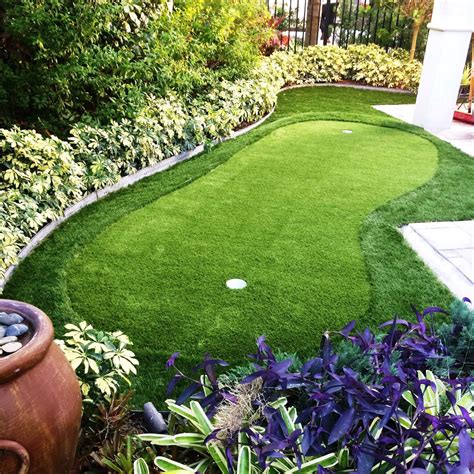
126 181
352 85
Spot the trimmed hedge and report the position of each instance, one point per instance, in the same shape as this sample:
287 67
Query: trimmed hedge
42 176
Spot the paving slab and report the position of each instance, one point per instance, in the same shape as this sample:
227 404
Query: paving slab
448 249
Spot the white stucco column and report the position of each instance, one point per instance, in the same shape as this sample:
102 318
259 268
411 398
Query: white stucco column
451 28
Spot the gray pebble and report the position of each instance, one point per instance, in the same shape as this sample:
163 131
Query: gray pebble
12 347
9 319
2 331
6 340
16 330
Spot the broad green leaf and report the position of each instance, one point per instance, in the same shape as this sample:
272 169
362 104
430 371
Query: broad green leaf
218 456
158 439
466 401
244 465
282 401
76 363
287 419
204 424
329 460
206 385
343 458
243 438
408 396
189 439
202 465
168 465
140 467
182 411
283 464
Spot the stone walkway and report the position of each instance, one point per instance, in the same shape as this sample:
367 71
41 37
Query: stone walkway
448 249
445 247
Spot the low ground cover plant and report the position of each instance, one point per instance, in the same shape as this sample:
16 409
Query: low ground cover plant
401 401
395 415
105 366
41 176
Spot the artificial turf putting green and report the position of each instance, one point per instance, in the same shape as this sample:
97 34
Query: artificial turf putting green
284 214
192 229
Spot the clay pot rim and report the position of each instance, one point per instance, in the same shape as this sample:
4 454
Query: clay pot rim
35 349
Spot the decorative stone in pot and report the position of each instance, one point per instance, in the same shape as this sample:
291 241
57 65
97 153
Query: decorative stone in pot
40 399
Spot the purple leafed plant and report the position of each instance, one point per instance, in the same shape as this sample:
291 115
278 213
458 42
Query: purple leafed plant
397 415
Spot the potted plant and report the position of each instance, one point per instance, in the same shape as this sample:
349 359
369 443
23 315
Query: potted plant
41 406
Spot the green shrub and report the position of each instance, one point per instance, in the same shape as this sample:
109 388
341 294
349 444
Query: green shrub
371 65
40 168
122 148
458 337
40 178
204 439
234 375
367 64
282 65
102 360
278 420
323 64
104 364
102 58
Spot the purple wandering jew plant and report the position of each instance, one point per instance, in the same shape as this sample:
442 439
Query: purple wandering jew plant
396 415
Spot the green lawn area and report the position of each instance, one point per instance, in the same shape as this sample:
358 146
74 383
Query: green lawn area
306 214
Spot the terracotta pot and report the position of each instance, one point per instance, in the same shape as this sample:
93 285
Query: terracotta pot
40 401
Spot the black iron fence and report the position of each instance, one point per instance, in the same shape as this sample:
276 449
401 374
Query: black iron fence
344 22
362 22
289 19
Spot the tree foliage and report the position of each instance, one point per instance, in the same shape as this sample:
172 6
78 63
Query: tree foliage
63 59
419 11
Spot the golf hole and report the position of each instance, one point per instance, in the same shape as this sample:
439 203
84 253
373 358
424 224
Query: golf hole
236 284
347 131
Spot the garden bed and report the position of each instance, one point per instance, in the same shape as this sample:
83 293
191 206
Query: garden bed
397 398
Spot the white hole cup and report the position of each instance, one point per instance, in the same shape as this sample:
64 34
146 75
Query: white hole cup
236 284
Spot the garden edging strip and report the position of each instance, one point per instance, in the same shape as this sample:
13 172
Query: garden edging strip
348 84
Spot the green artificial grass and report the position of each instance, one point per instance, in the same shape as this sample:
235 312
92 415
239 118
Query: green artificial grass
283 214
306 214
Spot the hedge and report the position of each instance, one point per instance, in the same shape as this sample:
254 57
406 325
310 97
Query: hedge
42 176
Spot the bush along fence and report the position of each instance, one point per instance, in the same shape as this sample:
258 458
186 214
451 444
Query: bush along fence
42 176
381 23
